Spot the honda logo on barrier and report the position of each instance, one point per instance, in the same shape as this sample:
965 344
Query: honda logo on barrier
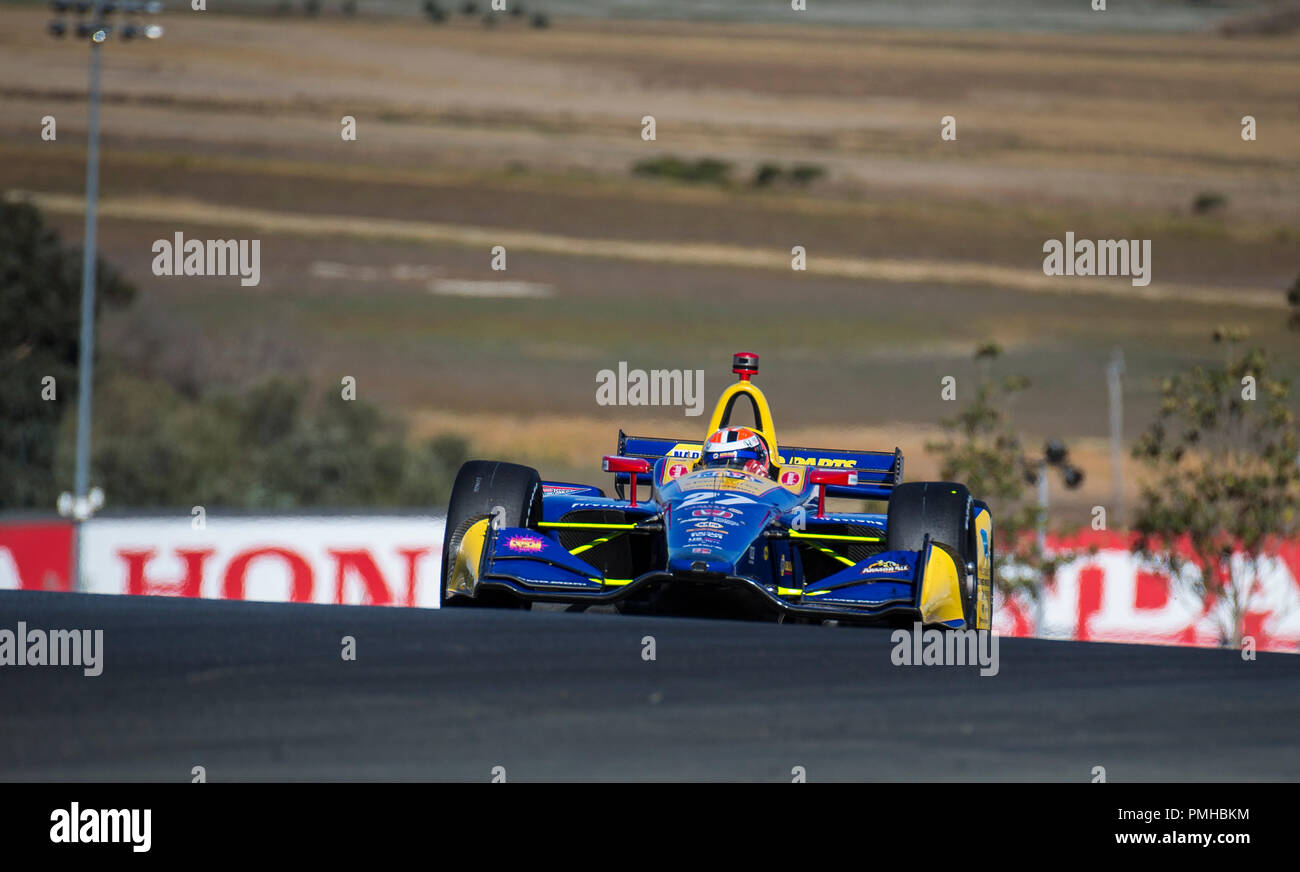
352 561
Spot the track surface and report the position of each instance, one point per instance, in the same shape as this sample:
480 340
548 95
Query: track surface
260 691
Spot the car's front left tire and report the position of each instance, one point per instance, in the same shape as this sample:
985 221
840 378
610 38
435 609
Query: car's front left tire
507 494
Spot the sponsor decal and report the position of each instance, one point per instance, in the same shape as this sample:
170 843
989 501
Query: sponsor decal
706 534
887 566
529 544
549 582
712 513
708 525
714 525
349 560
676 470
560 490
791 476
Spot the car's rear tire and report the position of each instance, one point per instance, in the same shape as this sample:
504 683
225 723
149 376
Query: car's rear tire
941 510
495 490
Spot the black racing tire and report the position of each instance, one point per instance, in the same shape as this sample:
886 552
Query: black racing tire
481 486
943 511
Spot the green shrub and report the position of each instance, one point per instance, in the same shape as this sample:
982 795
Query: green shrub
703 171
1208 201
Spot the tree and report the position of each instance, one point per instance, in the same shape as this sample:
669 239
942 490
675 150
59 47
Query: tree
177 442
982 449
40 294
1221 456
263 447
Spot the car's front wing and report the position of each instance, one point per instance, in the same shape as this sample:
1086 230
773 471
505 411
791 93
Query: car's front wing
923 586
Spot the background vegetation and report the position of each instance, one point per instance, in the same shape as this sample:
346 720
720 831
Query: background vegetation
164 439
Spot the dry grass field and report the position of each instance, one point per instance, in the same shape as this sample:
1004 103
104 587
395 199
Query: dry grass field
918 248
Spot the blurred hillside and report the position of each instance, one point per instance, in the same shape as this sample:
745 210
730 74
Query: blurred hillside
376 253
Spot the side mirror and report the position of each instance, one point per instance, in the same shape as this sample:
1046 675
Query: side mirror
842 477
823 477
634 466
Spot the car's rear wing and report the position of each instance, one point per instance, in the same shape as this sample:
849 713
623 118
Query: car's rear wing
878 471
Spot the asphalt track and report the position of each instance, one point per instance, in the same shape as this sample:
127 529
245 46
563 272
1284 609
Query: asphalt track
254 691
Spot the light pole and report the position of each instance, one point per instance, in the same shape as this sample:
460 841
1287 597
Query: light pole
1115 388
86 365
83 502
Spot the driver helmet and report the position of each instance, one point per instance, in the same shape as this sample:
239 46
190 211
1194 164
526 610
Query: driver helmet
735 448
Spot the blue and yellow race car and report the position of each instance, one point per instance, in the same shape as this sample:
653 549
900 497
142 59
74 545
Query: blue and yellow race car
736 523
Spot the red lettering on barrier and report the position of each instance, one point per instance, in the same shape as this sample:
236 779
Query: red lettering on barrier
1289 554
412 556
40 553
1091 582
190 584
375 589
1152 590
1252 624
232 586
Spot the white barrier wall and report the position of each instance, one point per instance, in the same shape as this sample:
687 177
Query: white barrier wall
1109 594
354 560
1105 594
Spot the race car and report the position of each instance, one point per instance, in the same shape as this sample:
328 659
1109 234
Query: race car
734 522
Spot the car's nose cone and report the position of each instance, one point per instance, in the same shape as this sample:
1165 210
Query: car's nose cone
700 564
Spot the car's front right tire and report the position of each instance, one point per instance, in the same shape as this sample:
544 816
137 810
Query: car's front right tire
942 511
